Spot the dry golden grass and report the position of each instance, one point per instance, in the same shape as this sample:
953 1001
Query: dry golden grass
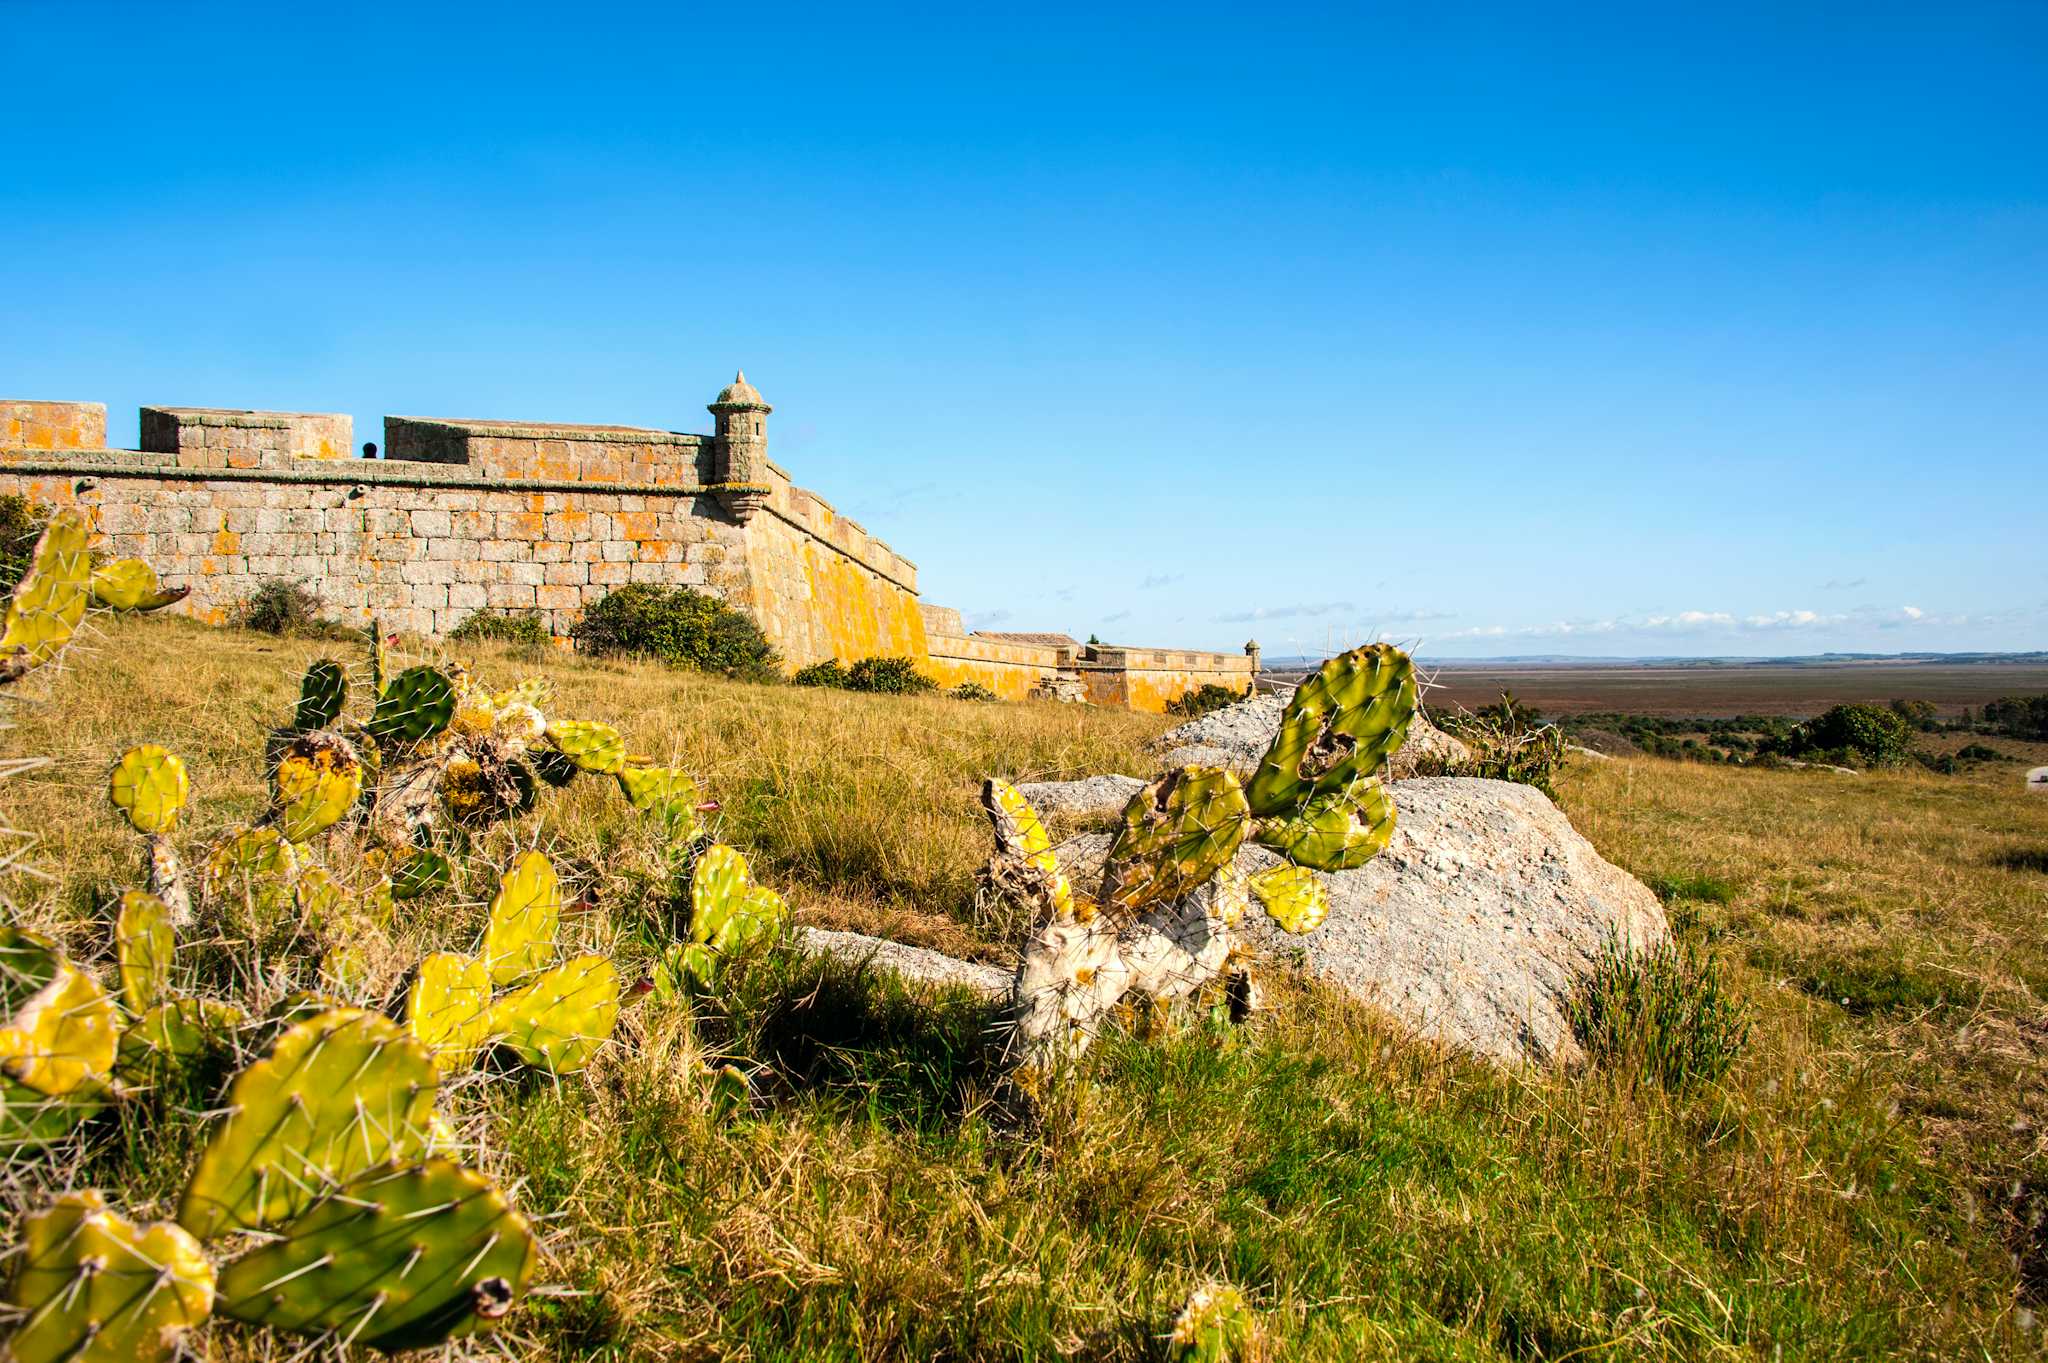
1862 1185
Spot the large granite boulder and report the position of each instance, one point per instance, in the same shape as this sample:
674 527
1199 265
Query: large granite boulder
1237 736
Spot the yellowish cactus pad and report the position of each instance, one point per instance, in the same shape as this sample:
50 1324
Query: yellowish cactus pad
1292 896
448 1008
525 915
51 597
316 782
94 1287
590 745
144 943
129 584
558 1021
150 786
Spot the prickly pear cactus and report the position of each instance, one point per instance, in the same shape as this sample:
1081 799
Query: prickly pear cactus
1176 834
60 1029
559 1019
143 946
322 693
93 1287
1338 831
591 746
339 1093
668 793
448 1008
526 913
166 1041
51 597
254 868
728 912
1341 724
413 706
316 782
398 1258
129 584
1291 896
150 786
421 871
1216 1326
1025 861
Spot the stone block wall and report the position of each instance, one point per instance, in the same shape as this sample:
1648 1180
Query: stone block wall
52 425
555 453
1146 679
217 438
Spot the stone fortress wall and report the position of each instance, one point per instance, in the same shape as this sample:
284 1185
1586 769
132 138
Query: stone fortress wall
464 515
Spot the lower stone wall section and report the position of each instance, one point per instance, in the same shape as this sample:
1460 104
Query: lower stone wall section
1009 670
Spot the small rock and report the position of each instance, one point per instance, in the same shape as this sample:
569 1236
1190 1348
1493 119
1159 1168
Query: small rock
913 963
1095 795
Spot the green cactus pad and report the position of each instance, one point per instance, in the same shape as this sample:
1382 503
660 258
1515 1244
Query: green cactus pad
421 871
94 1287
668 793
558 1021
1292 897
400 1258
414 706
31 1121
683 967
323 902
338 1093
168 1039
322 693
728 911
1340 831
60 1029
253 867
448 1008
130 584
1176 833
1341 724
149 785
144 945
1215 1326
590 745
316 782
526 913
51 597
1024 849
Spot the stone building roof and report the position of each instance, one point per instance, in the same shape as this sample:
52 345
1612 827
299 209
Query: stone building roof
740 393
1042 640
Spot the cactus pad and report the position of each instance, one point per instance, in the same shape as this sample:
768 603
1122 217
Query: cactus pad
562 1016
338 1093
149 785
1176 833
1340 831
400 1258
316 782
1292 897
448 1008
1341 724
322 693
171 1036
94 1287
728 910
129 584
143 944
1024 851
1215 1326
414 706
526 913
31 1121
51 597
590 745
60 1029
421 871
669 793
255 867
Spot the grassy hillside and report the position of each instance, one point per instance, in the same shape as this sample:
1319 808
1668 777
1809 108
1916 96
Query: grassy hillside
1866 1182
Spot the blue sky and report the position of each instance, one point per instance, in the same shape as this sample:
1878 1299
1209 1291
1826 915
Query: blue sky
1516 330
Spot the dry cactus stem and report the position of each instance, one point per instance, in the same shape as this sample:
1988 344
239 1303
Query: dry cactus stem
1160 925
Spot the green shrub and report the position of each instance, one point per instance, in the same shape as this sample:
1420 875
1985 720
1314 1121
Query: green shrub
888 676
679 628
1208 697
2017 717
285 608
1506 744
972 690
1873 734
1662 1015
828 674
21 525
503 627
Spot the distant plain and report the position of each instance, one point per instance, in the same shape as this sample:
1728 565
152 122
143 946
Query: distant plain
1795 690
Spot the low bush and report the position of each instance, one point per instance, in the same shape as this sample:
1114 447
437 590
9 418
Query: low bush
1872 734
679 628
287 609
1506 743
1662 1015
827 674
888 676
503 627
1208 697
21 525
969 690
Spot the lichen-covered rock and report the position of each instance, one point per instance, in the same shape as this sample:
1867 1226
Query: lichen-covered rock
1090 797
913 963
1237 736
